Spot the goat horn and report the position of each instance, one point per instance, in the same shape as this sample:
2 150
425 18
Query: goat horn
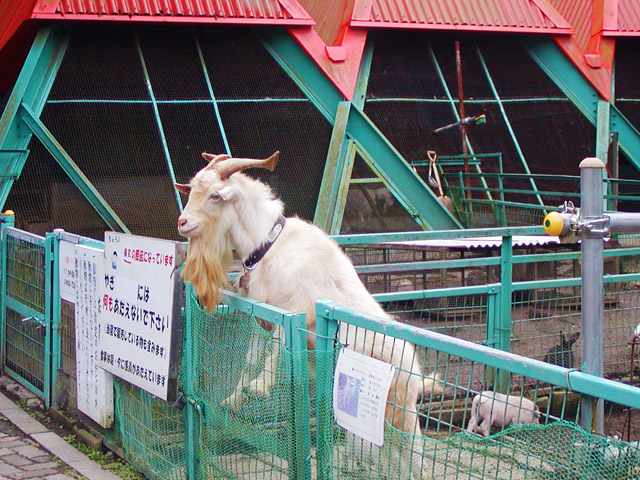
213 159
234 165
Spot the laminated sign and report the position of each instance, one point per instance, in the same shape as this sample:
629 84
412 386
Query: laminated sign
94 386
140 311
360 390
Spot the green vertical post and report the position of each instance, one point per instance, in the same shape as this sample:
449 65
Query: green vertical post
53 310
503 320
6 220
340 156
334 171
491 341
603 123
326 332
50 304
296 338
192 430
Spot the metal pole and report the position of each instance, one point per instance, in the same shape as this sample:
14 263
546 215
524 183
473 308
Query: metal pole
591 174
463 127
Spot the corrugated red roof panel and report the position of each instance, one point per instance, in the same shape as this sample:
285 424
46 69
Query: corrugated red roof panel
628 21
218 11
476 15
579 14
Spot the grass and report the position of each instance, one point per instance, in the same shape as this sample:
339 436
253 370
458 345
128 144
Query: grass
108 461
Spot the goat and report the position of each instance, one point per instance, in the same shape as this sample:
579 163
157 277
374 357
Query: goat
303 264
497 409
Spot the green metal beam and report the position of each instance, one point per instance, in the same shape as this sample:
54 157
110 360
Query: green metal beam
583 95
415 195
334 171
96 200
424 205
32 88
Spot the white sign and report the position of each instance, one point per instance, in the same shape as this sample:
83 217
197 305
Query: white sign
67 271
360 390
140 315
94 385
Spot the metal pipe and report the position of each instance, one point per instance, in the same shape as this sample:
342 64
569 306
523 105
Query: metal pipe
591 174
611 223
463 127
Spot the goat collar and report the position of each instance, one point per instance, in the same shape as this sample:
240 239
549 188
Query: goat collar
252 260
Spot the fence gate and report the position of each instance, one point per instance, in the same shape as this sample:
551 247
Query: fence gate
26 311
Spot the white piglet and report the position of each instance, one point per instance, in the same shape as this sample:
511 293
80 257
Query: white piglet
497 409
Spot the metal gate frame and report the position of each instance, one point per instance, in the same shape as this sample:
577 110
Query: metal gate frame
29 296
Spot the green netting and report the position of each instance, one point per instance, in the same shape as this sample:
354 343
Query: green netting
250 386
256 414
560 450
151 432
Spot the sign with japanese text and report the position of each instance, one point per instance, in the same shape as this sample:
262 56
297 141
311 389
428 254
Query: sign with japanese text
360 391
67 271
94 386
140 316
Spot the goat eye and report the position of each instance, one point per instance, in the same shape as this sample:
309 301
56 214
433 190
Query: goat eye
215 196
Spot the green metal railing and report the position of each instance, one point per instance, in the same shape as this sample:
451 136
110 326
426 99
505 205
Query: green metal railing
278 434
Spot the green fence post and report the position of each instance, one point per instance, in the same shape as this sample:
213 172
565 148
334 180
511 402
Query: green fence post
49 305
7 219
503 318
296 338
192 427
326 331
493 312
52 312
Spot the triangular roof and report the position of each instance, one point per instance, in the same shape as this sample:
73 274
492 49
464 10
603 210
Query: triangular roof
333 32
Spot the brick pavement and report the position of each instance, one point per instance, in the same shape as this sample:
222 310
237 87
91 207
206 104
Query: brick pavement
29 451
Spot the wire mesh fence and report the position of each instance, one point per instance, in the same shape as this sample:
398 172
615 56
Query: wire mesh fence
25 331
256 404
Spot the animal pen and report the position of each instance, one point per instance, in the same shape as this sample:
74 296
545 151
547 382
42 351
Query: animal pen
491 334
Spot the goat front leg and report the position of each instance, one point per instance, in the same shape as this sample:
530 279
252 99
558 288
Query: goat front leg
262 384
266 379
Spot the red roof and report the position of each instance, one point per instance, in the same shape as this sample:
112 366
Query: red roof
476 15
332 32
286 12
627 21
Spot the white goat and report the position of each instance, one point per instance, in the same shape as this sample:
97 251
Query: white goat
301 266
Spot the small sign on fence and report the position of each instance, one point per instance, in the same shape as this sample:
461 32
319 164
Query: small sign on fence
360 392
67 271
94 386
140 314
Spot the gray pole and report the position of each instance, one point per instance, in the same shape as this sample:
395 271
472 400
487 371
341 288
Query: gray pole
591 235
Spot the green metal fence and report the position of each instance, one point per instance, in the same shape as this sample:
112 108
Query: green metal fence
27 329
255 403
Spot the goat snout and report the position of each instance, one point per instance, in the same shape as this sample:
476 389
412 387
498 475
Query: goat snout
185 228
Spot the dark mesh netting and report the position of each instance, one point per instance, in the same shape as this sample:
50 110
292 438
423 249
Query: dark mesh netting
531 126
627 89
371 207
298 131
134 107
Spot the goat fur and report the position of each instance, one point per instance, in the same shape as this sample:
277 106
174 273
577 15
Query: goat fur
302 266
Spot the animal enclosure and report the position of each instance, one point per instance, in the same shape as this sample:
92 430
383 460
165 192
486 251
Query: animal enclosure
292 433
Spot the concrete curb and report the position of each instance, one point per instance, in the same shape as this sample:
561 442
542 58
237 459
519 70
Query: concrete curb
51 442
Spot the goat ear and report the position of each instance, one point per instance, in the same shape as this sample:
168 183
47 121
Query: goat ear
227 193
186 189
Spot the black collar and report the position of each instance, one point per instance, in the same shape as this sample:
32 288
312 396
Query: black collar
252 260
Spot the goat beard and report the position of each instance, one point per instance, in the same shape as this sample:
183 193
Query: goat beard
206 269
